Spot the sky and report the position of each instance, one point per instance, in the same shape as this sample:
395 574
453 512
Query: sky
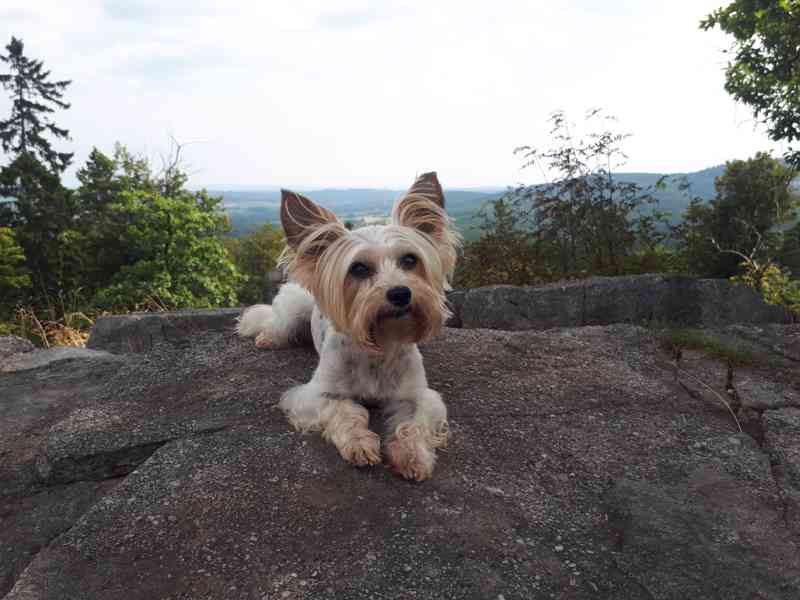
356 93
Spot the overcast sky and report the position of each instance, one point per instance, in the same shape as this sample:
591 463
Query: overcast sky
312 93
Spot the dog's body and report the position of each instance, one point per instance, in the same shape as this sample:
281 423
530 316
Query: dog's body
367 297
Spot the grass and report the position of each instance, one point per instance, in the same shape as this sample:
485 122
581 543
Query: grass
709 344
70 330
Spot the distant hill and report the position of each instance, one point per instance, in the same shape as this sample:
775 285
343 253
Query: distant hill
250 208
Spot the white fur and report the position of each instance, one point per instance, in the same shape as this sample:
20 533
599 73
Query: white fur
281 323
254 320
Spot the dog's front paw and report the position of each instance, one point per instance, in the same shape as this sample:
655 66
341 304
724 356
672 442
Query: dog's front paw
362 449
409 454
264 340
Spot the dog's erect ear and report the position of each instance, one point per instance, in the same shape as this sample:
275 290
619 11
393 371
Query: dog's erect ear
302 217
422 207
428 185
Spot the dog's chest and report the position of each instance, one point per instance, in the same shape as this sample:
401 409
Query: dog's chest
371 377
349 371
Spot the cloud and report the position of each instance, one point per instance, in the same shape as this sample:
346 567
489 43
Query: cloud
343 21
353 92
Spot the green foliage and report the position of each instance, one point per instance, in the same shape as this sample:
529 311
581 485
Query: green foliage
505 253
656 259
15 280
33 97
176 257
42 215
789 254
589 217
754 200
764 72
587 221
125 239
255 256
773 282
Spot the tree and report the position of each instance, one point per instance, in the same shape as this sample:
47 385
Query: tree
41 212
176 258
40 209
789 255
586 214
33 98
103 179
14 277
506 252
754 200
765 70
255 256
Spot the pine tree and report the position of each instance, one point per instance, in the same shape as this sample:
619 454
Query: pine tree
33 98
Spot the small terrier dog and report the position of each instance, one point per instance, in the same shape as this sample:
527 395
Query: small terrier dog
366 297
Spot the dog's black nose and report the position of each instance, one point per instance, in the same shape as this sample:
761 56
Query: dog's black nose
399 296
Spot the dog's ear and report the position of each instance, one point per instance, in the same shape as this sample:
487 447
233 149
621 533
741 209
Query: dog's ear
428 185
422 207
304 220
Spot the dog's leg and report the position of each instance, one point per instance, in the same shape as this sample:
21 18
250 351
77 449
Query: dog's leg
286 321
415 429
342 422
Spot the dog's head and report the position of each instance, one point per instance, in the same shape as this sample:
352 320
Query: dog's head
378 284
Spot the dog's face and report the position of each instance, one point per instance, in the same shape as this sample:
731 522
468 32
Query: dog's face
378 284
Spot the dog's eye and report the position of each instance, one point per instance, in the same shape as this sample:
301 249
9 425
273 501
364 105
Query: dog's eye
360 270
408 261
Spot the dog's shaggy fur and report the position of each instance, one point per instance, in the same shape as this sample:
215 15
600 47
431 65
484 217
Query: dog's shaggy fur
366 297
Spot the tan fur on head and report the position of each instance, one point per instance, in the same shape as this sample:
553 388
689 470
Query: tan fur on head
422 208
320 252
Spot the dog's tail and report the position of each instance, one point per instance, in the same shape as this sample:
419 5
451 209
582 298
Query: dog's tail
288 318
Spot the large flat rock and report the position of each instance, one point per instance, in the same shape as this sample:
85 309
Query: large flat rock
579 467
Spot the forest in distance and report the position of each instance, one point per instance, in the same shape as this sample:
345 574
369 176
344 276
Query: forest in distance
251 207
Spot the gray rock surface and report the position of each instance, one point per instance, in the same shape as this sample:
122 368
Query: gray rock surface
782 438
606 300
11 345
37 359
138 332
579 467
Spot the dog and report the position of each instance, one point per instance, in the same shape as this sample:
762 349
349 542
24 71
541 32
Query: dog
366 297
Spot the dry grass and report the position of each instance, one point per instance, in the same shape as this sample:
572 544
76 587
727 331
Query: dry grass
70 330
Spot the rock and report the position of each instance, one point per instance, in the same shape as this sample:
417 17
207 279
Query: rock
138 332
30 402
98 443
41 518
175 476
518 308
723 303
455 299
12 344
38 359
697 537
781 341
766 395
671 299
782 439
